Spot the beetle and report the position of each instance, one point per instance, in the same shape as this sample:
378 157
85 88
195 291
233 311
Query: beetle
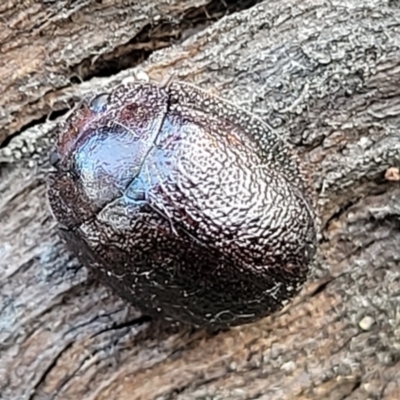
186 205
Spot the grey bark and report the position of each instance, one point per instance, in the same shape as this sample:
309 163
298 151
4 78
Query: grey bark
326 75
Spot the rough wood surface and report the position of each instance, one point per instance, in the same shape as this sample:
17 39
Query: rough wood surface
326 75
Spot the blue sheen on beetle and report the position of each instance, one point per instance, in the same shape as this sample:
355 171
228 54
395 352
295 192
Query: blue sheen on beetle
105 165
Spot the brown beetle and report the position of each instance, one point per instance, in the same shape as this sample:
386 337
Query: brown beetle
184 204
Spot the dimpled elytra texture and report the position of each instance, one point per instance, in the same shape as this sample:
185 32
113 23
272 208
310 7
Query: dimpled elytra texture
184 204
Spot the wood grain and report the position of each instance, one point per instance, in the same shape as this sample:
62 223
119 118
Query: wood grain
325 75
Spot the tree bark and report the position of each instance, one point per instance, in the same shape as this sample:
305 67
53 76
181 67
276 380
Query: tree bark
326 76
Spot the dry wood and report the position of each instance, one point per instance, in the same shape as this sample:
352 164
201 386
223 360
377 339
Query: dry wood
326 75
